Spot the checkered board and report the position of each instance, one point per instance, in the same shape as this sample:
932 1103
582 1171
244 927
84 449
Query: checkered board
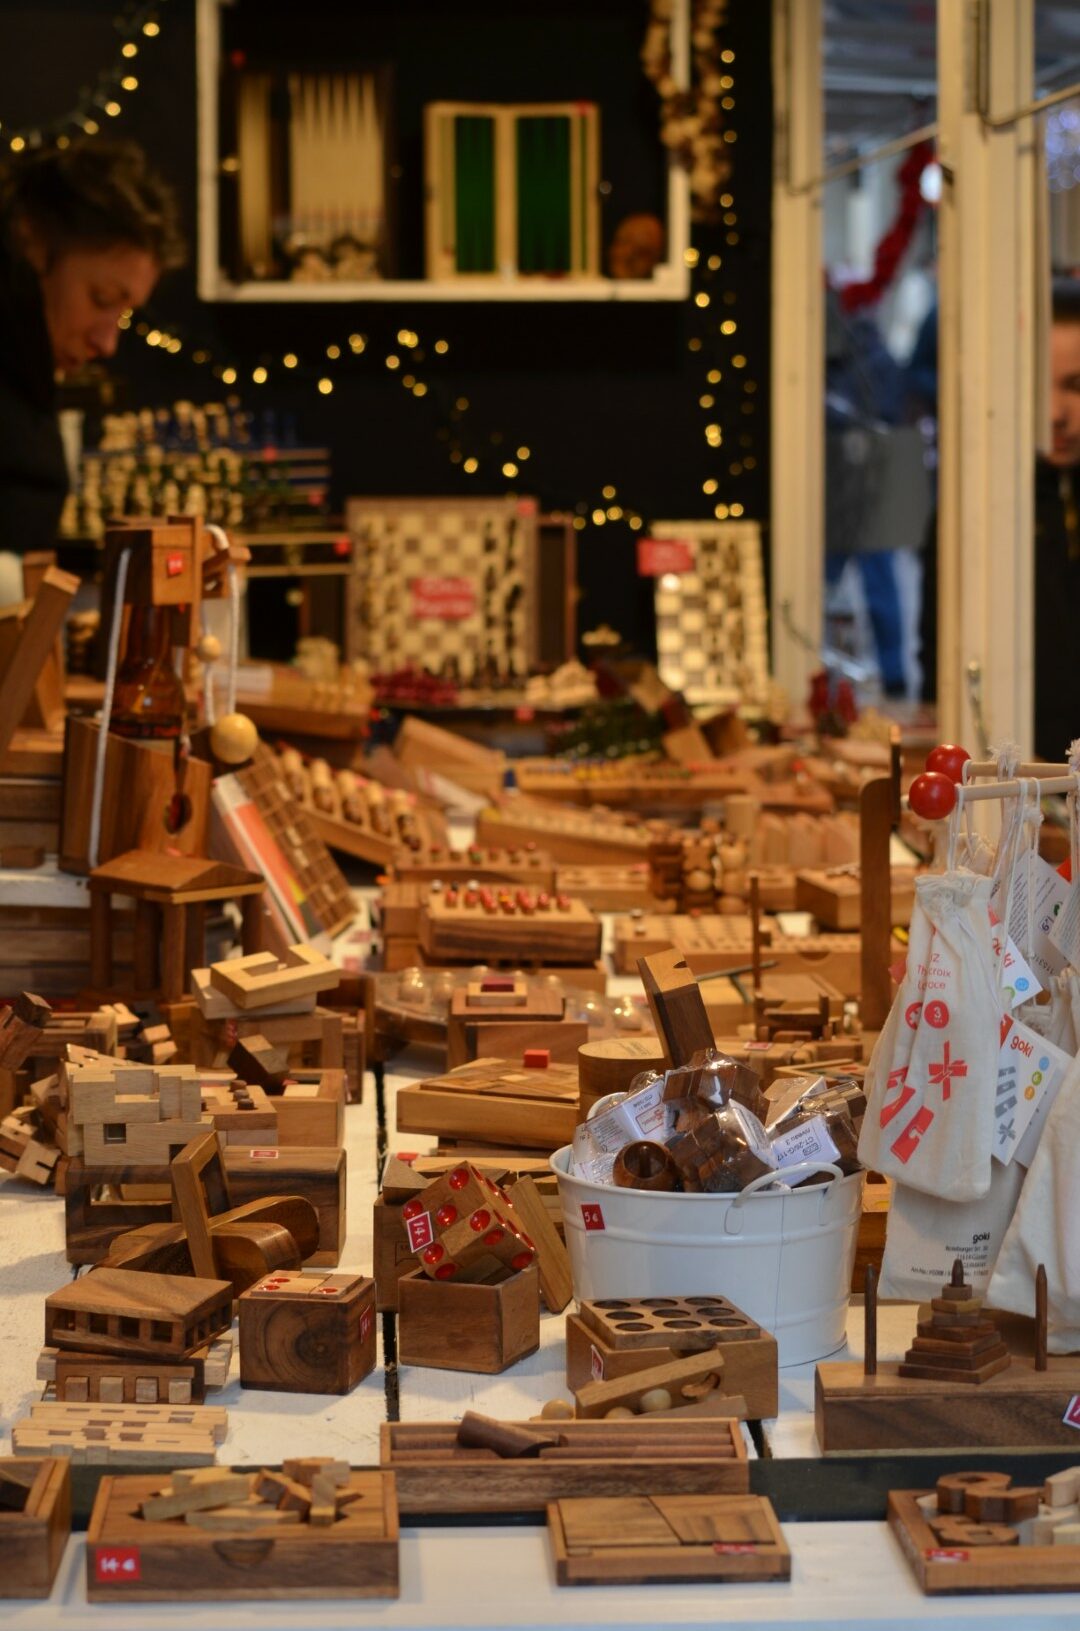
444 584
711 631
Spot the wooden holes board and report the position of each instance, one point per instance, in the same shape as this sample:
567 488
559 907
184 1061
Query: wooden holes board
453 929
945 1567
327 895
650 1539
693 1324
133 1559
695 1456
495 1101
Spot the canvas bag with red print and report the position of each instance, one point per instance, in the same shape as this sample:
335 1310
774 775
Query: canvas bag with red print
932 1077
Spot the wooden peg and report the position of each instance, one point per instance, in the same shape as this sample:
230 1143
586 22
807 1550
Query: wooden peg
1040 1317
870 1322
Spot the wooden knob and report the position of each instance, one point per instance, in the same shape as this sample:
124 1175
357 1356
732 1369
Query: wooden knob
645 1165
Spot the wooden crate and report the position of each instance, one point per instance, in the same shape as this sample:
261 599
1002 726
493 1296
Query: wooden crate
494 1101
35 1522
635 1540
483 1325
136 1560
311 1109
690 1457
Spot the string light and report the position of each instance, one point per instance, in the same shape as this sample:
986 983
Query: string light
441 347
608 492
471 466
137 17
509 469
290 359
228 376
326 385
392 361
333 352
523 453
259 376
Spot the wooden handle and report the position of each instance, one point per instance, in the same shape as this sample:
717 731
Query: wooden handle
244 1553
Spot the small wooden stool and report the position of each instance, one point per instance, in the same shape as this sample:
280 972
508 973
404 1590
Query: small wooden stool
171 893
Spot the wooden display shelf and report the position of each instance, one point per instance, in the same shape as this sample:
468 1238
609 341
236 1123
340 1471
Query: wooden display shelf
695 1456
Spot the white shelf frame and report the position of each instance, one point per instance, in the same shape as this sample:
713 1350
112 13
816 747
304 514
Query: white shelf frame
670 280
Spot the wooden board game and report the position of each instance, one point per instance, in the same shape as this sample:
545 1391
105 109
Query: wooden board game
495 1101
978 1533
636 1540
326 894
435 1473
493 921
711 622
445 584
130 1558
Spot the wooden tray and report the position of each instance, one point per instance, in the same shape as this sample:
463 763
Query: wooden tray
942 1570
696 1456
130 1559
645 1540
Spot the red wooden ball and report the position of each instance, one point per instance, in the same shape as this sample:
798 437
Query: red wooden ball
949 758
932 795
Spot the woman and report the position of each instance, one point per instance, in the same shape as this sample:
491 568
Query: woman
85 234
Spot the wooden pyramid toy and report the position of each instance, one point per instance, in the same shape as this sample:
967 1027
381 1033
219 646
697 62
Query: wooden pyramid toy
958 1343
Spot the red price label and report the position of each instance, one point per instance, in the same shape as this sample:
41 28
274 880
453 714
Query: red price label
117 1563
656 556
450 600
263 1153
947 1554
734 1548
174 565
1071 1418
591 1216
420 1231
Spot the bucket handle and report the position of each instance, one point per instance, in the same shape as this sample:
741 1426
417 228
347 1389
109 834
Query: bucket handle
798 1170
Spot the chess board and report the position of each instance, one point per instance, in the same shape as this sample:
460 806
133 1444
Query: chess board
711 628
444 584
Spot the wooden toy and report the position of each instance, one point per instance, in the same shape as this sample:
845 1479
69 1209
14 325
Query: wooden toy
307 1333
21 1026
316 1174
327 901
171 893
84 1378
484 1324
256 1547
462 925
28 648
611 1065
263 980
122 1435
462 1219
363 819
719 941
617 1338
552 1261
499 1016
676 1005
139 804
527 865
495 1101
314 1038
609 888
35 1522
310 1109
834 896
977 1532
592 838
240 1114
436 1473
690 1385
645 1540
115 1311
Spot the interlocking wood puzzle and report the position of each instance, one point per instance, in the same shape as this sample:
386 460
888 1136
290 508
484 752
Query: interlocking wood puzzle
496 1101
978 1532
649 1539
307 1333
161 1316
122 1435
262 980
317 1529
711 623
461 925
687 1456
327 902
444 584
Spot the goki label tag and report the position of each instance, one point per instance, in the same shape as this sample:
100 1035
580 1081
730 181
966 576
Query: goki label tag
1065 934
1036 880
1019 982
1030 1071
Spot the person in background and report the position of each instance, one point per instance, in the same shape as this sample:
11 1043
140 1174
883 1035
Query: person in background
85 233
1057 537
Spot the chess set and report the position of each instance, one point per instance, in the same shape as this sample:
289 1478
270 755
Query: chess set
711 621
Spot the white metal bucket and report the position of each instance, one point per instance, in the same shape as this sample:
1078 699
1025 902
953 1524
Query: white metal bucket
785 1258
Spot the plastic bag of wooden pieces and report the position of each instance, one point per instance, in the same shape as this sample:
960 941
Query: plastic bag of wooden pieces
807 1100
709 1082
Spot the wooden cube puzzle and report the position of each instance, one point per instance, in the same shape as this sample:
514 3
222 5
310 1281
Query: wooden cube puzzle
461 1219
307 1333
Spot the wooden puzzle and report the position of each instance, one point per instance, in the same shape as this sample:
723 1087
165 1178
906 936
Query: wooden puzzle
588 838
159 1316
122 1435
82 1378
978 1532
686 1456
307 1333
649 1539
833 895
691 1385
328 902
225 1536
483 1320
495 1101
500 1016
35 1522
444 584
262 980
461 925
711 622
460 1219
526 865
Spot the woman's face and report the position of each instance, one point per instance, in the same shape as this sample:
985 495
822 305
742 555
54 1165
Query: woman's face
85 292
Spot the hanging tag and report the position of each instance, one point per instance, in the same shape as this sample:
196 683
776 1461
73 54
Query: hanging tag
1065 934
809 1141
1048 891
1019 982
1030 1072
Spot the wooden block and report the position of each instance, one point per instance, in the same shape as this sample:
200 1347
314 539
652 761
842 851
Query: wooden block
468 1326
307 1333
35 1522
317 1174
552 1261
496 1101
305 1469
220 1490
255 985
1062 1488
677 1007
116 1311
311 1109
461 1218
355 1556
634 1540
255 1060
610 1066
215 1005
557 929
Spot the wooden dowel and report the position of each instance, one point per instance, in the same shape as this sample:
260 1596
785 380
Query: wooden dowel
870 1322
730 973
1040 1317
755 931
484 1457
989 767
642 1450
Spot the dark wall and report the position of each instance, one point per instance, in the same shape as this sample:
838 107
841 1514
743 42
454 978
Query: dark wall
604 393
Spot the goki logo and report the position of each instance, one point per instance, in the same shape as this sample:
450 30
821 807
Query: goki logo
591 1216
117 1563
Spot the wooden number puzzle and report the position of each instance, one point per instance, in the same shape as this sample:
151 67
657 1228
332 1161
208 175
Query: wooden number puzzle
493 921
711 636
643 1540
444 584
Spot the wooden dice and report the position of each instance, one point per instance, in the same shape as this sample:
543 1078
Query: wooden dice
461 1219
307 1333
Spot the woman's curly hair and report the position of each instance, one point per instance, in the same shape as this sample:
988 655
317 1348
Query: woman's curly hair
94 194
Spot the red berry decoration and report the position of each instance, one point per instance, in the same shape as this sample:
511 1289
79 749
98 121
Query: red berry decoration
948 758
932 795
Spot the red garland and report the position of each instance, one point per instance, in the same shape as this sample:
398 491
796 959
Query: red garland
893 246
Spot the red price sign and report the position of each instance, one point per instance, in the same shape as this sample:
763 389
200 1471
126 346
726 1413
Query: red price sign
655 556
117 1563
448 599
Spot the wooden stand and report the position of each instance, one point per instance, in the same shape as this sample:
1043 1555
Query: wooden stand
483 1325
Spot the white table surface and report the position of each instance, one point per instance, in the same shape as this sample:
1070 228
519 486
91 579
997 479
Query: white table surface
469 1577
